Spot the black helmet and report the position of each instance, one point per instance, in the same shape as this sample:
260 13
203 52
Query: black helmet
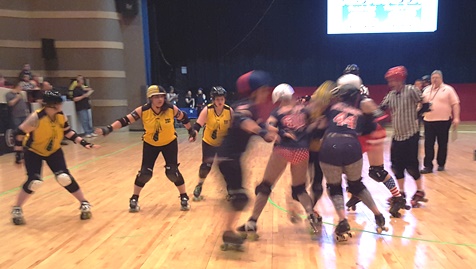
217 91
51 98
349 94
352 69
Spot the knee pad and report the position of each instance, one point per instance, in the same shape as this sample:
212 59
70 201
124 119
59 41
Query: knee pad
263 188
204 170
335 189
378 173
32 184
355 187
174 175
67 181
414 173
297 190
143 177
238 199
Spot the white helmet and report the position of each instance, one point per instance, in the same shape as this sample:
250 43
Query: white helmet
282 92
349 79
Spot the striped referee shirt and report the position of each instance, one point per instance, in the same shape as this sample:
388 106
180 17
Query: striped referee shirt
403 108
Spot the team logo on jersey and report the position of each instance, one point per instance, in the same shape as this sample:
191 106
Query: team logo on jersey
167 120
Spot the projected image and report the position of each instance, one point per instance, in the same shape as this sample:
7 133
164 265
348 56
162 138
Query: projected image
381 16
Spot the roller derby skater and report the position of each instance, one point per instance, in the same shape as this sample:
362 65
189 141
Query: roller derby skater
38 139
341 153
216 119
402 101
254 88
373 142
290 120
159 137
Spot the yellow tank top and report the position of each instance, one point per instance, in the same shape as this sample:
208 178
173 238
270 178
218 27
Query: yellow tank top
46 138
216 126
159 128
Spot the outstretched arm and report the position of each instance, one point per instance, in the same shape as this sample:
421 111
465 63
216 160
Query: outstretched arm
119 123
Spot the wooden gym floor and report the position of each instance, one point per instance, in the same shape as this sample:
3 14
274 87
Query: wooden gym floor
441 234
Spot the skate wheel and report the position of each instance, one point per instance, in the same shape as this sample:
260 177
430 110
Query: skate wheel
243 235
85 215
134 210
197 199
379 230
18 221
407 207
224 247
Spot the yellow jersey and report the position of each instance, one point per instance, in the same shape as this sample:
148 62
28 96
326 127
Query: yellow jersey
46 138
159 128
216 126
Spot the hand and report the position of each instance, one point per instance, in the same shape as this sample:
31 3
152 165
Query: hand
455 123
192 135
99 131
19 158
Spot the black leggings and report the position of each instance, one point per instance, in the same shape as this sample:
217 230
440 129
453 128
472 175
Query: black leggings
232 173
150 154
34 163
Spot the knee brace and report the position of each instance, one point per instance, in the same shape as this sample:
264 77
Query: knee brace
238 199
378 173
32 184
414 173
174 175
335 189
143 176
297 190
204 170
355 187
67 181
263 188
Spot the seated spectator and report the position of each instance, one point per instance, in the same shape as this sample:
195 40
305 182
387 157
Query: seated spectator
26 70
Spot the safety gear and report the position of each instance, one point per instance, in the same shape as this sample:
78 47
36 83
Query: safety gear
51 98
155 90
251 81
352 69
349 79
397 73
63 179
349 94
217 91
143 177
282 92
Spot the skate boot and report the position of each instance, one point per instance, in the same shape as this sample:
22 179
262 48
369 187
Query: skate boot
197 192
391 199
184 204
85 210
249 230
353 201
134 205
232 241
17 216
418 197
380 221
342 231
396 204
315 220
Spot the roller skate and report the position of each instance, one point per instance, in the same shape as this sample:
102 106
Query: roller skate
353 201
342 231
197 191
315 220
17 216
397 203
418 197
85 210
249 230
184 204
380 221
232 241
134 205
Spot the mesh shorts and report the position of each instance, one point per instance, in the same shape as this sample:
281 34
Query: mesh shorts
293 156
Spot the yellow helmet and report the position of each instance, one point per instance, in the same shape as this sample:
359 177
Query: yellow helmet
155 90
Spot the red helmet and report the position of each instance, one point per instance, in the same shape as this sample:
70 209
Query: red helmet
397 72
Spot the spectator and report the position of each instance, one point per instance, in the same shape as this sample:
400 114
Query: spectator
26 70
18 105
172 97
201 100
81 95
189 100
